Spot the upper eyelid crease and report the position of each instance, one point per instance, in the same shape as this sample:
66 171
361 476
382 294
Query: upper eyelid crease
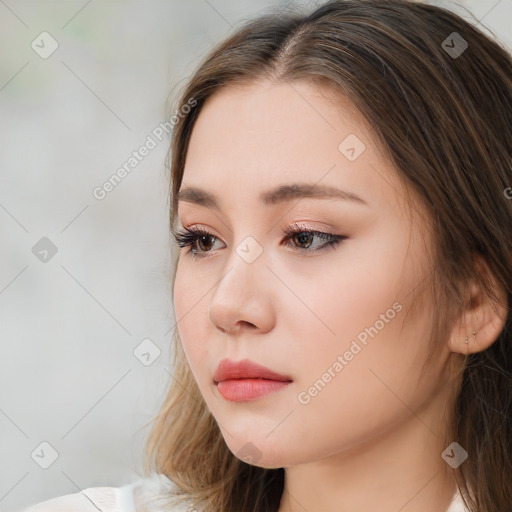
280 194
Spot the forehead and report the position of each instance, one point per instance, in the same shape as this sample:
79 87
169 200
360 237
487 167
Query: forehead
251 138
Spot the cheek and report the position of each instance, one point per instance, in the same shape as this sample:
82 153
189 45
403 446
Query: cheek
354 324
190 309
338 297
361 299
372 389
358 313
190 295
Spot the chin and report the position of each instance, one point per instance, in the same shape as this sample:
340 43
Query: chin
259 453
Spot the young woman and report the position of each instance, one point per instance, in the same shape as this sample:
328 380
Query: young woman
341 201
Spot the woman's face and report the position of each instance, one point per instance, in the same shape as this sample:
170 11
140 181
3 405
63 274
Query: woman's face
333 318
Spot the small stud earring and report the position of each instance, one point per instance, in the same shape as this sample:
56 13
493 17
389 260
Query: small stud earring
474 335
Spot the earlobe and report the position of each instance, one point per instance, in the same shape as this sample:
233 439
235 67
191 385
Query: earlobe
484 316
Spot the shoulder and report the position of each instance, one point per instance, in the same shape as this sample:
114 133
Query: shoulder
157 493
457 505
154 493
88 500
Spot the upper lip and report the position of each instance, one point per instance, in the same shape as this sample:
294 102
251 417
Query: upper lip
245 369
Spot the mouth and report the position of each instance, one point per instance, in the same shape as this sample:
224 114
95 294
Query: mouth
244 390
246 380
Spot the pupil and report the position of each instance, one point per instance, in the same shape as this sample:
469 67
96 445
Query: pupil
301 238
201 240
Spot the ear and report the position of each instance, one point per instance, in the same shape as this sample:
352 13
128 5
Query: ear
484 315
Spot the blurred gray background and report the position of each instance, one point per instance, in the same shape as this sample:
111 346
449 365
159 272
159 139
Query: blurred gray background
85 302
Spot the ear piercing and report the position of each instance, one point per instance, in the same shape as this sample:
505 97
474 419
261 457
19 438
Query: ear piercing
474 334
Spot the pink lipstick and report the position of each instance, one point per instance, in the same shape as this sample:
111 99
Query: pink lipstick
246 380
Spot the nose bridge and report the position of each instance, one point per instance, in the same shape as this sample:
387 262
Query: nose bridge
241 294
249 250
244 266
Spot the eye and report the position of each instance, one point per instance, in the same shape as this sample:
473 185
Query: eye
189 237
303 236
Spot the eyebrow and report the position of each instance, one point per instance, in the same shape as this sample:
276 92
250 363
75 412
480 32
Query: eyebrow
280 194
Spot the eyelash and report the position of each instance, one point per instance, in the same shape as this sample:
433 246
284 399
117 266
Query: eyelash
188 237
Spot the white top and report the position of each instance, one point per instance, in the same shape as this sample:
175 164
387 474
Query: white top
134 498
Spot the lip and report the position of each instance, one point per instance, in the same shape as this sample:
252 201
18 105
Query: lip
245 369
246 380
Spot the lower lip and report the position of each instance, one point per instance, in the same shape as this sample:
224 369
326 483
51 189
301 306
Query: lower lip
242 390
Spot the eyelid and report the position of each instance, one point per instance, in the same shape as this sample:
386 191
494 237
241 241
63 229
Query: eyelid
188 236
283 228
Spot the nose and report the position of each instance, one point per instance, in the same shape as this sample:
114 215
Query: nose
242 301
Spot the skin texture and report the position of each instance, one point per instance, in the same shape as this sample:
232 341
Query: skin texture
371 439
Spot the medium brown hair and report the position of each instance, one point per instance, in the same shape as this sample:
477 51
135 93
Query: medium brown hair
446 122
